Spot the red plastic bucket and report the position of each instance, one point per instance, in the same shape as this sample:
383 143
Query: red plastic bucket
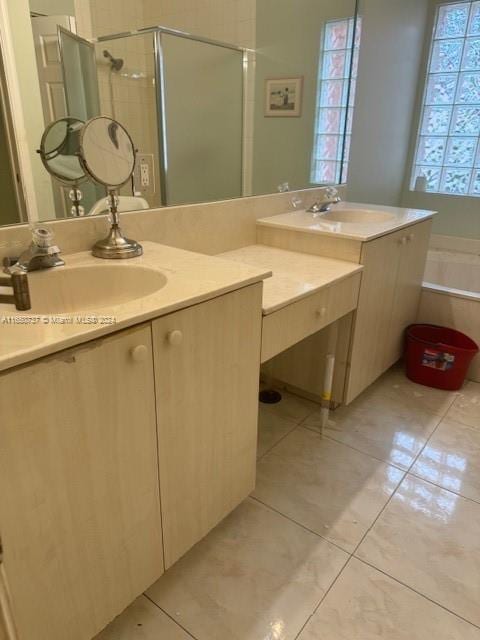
438 357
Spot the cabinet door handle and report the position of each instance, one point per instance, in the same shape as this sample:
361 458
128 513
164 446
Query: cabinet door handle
175 337
139 353
403 240
321 313
410 237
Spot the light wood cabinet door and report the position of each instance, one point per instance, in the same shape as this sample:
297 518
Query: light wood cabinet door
79 498
381 259
388 302
207 361
408 288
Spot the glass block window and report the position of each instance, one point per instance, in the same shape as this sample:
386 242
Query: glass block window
448 151
333 122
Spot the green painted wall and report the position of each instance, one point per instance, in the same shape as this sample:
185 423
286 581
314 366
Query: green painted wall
389 67
288 45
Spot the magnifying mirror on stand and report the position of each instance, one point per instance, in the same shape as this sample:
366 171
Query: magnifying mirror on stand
107 155
59 151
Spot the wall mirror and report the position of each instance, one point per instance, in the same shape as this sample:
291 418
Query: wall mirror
231 100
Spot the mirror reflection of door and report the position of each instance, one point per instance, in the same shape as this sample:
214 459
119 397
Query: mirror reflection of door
52 90
49 65
11 195
68 86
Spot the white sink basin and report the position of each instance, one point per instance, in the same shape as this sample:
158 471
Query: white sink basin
357 216
65 290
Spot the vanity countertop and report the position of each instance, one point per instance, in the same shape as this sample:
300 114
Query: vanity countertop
190 278
295 275
303 221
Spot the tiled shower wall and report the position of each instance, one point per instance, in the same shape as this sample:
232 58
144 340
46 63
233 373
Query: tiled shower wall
133 100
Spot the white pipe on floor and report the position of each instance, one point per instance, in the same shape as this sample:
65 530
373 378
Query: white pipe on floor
327 390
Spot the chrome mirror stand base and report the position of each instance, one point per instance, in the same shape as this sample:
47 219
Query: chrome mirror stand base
116 247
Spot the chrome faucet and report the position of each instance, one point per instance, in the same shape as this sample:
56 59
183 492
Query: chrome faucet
41 254
331 198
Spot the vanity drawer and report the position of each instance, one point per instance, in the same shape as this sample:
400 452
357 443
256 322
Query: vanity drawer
287 326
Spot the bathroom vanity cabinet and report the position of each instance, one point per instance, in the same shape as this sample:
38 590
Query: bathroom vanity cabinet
79 495
105 443
388 302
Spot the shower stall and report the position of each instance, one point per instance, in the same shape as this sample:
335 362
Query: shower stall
182 98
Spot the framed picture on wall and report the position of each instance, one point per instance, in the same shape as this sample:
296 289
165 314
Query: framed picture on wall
283 97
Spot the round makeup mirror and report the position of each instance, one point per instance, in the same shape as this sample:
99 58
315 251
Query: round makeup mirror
107 152
59 150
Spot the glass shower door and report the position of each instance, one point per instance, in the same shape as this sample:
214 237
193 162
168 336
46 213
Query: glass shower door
201 110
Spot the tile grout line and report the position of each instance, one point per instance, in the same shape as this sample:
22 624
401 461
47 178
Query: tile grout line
295 426
170 617
405 473
350 446
327 591
438 486
444 415
299 524
410 472
419 593
298 422
352 555
330 439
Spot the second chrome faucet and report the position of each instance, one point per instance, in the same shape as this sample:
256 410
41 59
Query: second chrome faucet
331 198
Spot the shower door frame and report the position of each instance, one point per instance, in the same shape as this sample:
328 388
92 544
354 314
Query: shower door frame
157 32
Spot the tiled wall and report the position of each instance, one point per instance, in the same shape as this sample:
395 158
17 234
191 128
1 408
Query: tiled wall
128 95
228 20
133 101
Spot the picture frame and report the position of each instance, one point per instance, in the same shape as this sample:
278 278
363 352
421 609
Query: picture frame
283 97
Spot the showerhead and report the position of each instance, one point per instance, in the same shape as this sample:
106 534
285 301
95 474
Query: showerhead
115 63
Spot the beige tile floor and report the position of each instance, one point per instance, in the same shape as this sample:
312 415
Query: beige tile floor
371 531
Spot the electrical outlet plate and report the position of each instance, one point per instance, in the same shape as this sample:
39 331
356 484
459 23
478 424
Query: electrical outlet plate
145 176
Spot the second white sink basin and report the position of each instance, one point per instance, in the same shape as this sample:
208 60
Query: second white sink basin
66 290
357 216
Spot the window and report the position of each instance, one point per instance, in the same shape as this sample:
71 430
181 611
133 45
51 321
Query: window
332 133
448 151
